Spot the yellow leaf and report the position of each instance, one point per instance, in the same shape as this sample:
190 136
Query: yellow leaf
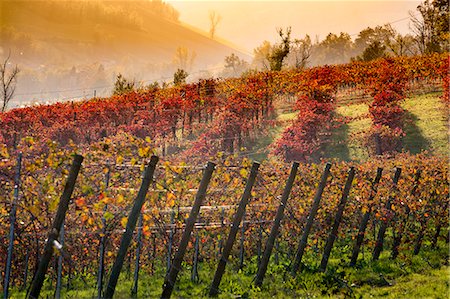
4 152
141 152
120 198
227 177
148 139
243 172
124 222
171 199
119 160
108 216
155 211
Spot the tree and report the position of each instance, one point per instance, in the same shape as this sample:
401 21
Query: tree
300 52
431 27
334 49
8 80
183 59
234 65
381 34
122 85
373 51
261 56
179 77
214 20
280 51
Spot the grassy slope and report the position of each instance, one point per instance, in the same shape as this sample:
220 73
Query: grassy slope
425 127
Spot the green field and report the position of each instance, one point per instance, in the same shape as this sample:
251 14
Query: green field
423 276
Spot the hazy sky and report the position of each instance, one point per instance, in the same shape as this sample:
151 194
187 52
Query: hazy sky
248 23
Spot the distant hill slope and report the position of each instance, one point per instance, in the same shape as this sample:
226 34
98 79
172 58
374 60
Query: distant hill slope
71 49
104 31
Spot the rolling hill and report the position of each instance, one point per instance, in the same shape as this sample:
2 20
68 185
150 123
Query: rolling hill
105 31
83 45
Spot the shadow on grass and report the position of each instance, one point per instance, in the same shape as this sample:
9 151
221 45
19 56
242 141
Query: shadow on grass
414 141
338 147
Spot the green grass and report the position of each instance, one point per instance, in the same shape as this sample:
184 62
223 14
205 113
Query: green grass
423 276
433 284
287 116
426 124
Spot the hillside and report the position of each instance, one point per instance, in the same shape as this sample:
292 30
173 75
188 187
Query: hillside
82 45
103 31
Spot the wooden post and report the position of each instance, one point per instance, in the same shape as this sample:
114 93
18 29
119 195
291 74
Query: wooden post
274 231
194 273
131 224
60 265
214 289
102 249
171 277
310 220
222 225
337 220
259 245
382 231
366 217
39 277
170 244
241 245
436 235
398 238
138 255
12 219
25 274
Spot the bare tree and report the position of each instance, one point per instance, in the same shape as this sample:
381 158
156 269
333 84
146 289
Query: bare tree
183 58
8 81
431 26
214 20
300 53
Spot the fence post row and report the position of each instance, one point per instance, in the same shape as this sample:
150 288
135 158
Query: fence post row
402 226
214 289
310 220
274 231
12 219
131 225
169 281
384 223
337 220
63 205
365 218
